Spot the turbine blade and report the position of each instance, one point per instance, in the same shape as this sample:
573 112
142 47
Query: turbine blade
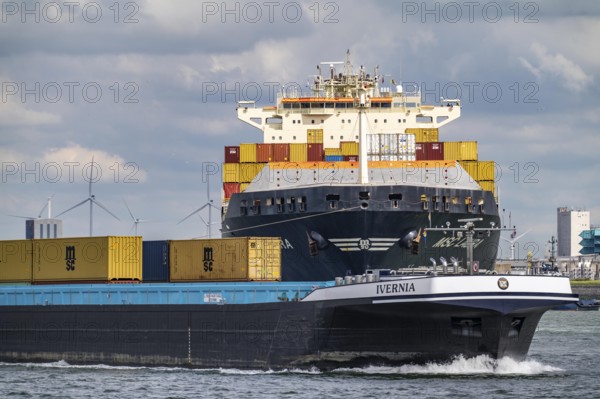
91 176
95 201
130 213
193 213
23 217
74 206
42 211
516 238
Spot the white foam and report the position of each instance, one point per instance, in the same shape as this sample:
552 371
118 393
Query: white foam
480 365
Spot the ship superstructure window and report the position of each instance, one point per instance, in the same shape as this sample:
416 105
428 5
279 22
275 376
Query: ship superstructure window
312 121
425 202
243 207
269 201
279 202
364 195
291 202
256 207
395 198
436 203
469 203
481 204
333 200
302 204
446 203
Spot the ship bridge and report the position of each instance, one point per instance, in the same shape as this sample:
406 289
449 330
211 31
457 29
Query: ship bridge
332 106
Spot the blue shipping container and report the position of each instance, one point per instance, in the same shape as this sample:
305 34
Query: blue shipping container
155 261
334 158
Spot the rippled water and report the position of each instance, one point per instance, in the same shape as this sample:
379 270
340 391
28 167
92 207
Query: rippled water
563 363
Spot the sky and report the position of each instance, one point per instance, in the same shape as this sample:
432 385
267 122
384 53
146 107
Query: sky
148 90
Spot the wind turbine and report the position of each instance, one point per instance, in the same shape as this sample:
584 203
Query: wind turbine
39 216
92 200
136 221
513 239
208 205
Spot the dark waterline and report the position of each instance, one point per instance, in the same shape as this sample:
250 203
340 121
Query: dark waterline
562 363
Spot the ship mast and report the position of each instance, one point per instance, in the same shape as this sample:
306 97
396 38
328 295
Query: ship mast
363 163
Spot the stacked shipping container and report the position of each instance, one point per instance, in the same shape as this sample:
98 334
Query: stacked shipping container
245 162
119 259
226 259
72 260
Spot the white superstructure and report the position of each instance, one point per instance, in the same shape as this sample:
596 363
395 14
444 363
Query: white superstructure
334 104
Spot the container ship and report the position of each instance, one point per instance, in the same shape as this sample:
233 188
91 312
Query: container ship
319 227
351 175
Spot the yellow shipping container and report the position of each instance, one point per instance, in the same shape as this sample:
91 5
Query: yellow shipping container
298 152
248 152
226 259
16 261
472 168
333 151
241 172
243 186
88 259
488 185
349 148
460 150
250 171
314 136
231 173
424 135
486 170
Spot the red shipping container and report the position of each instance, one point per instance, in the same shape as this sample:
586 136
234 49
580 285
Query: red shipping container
281 152
314 152
231 188
429 151
264 152
232 154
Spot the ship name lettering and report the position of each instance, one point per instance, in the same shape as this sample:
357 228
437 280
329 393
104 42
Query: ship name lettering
395 288
285 244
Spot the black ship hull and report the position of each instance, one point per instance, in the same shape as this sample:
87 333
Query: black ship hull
325 334
323 239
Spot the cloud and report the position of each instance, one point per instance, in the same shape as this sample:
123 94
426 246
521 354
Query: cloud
14 113
75 162
570 75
